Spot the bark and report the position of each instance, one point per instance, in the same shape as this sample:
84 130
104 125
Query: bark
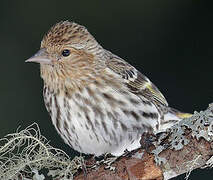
183 148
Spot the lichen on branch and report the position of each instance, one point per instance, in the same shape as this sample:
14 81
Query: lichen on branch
27 151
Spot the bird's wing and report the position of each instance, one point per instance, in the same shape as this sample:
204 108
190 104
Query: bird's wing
136 82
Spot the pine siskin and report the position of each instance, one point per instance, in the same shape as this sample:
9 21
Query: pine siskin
98 102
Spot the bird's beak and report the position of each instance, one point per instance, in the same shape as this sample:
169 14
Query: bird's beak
40 57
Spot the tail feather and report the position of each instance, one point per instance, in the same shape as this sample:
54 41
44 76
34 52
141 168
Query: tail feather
170 117
179 114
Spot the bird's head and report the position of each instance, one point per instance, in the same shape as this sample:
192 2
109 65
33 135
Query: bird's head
68 52
64 42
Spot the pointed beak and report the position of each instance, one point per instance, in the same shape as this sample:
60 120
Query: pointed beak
40 57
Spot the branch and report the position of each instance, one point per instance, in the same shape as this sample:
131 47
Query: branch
186 146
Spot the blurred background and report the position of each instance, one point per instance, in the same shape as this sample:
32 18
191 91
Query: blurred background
168 41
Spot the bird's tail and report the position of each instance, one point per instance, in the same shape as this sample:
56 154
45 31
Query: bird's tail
174 112
171 117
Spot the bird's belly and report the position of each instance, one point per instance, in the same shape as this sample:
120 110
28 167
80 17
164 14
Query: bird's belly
108 122
83 138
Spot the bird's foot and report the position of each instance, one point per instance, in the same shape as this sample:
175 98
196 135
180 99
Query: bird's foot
106 160
108 163
98 162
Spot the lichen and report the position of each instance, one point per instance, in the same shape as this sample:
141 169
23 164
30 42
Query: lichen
200 125
26 152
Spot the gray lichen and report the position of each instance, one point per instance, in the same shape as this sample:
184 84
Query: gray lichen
25 152
200 125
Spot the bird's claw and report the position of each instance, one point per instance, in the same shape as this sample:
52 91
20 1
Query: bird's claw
108 163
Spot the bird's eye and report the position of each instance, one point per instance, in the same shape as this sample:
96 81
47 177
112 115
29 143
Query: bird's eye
66 52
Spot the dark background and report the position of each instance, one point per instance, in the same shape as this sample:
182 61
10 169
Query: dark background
170 41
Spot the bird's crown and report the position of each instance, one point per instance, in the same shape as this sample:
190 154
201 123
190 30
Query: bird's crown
67 33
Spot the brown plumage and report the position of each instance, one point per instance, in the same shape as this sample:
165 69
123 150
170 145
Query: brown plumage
97 101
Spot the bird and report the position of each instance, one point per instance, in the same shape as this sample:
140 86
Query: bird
98 102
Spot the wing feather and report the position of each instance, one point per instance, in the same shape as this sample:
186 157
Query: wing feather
136 82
